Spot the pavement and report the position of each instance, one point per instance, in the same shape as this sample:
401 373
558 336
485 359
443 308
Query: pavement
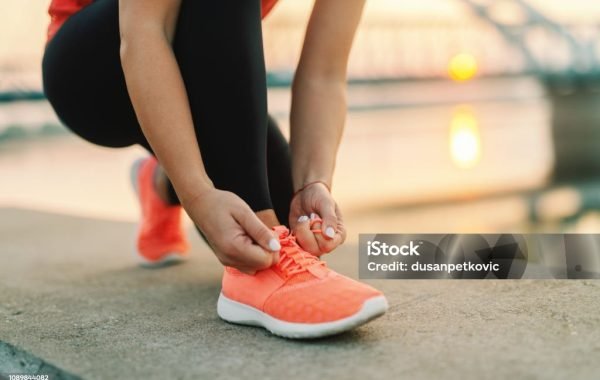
73 301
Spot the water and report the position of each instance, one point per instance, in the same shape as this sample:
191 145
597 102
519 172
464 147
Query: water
404 153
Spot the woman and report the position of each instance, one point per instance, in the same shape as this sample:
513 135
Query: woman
186 80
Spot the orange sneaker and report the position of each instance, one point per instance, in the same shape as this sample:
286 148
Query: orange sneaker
299 297
161 239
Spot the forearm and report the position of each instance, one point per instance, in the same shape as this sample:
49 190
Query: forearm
317 122
160 101
319 90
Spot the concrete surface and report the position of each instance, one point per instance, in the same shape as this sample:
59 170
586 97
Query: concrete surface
71 294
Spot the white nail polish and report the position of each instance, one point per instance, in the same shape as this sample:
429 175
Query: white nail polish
330 232
313 215
274 245
303 219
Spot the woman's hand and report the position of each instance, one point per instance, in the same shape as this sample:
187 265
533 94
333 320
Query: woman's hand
315 206
238 237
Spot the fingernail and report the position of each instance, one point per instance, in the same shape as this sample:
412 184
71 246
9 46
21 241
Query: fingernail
274 245
330 232
303 219
313 215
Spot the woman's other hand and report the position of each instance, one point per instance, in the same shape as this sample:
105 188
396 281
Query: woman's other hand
314 209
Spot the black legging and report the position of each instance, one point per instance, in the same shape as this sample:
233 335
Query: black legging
218 46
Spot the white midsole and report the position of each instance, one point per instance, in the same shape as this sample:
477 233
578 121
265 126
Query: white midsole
235 312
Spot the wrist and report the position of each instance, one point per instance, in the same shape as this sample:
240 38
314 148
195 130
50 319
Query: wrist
196 191
324 184
308 178
310 163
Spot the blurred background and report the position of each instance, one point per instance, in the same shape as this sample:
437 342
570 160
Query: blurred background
464 116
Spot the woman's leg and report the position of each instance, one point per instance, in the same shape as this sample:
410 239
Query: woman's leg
218 46
83 78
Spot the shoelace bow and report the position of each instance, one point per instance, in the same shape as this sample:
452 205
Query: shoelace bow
294 259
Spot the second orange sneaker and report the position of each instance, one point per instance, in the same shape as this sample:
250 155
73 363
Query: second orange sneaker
161 239
299 297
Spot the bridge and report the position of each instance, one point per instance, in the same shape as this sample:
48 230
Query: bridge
507 37
550 50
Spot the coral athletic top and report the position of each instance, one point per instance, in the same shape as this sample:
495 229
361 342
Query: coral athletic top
61 10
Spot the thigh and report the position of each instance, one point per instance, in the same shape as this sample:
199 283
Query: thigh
84 81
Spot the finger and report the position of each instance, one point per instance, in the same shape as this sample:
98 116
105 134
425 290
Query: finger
330 222
257 230
243 266
229 260
250 256
246 270
341 232
315 223
305 237
325 244
341 228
